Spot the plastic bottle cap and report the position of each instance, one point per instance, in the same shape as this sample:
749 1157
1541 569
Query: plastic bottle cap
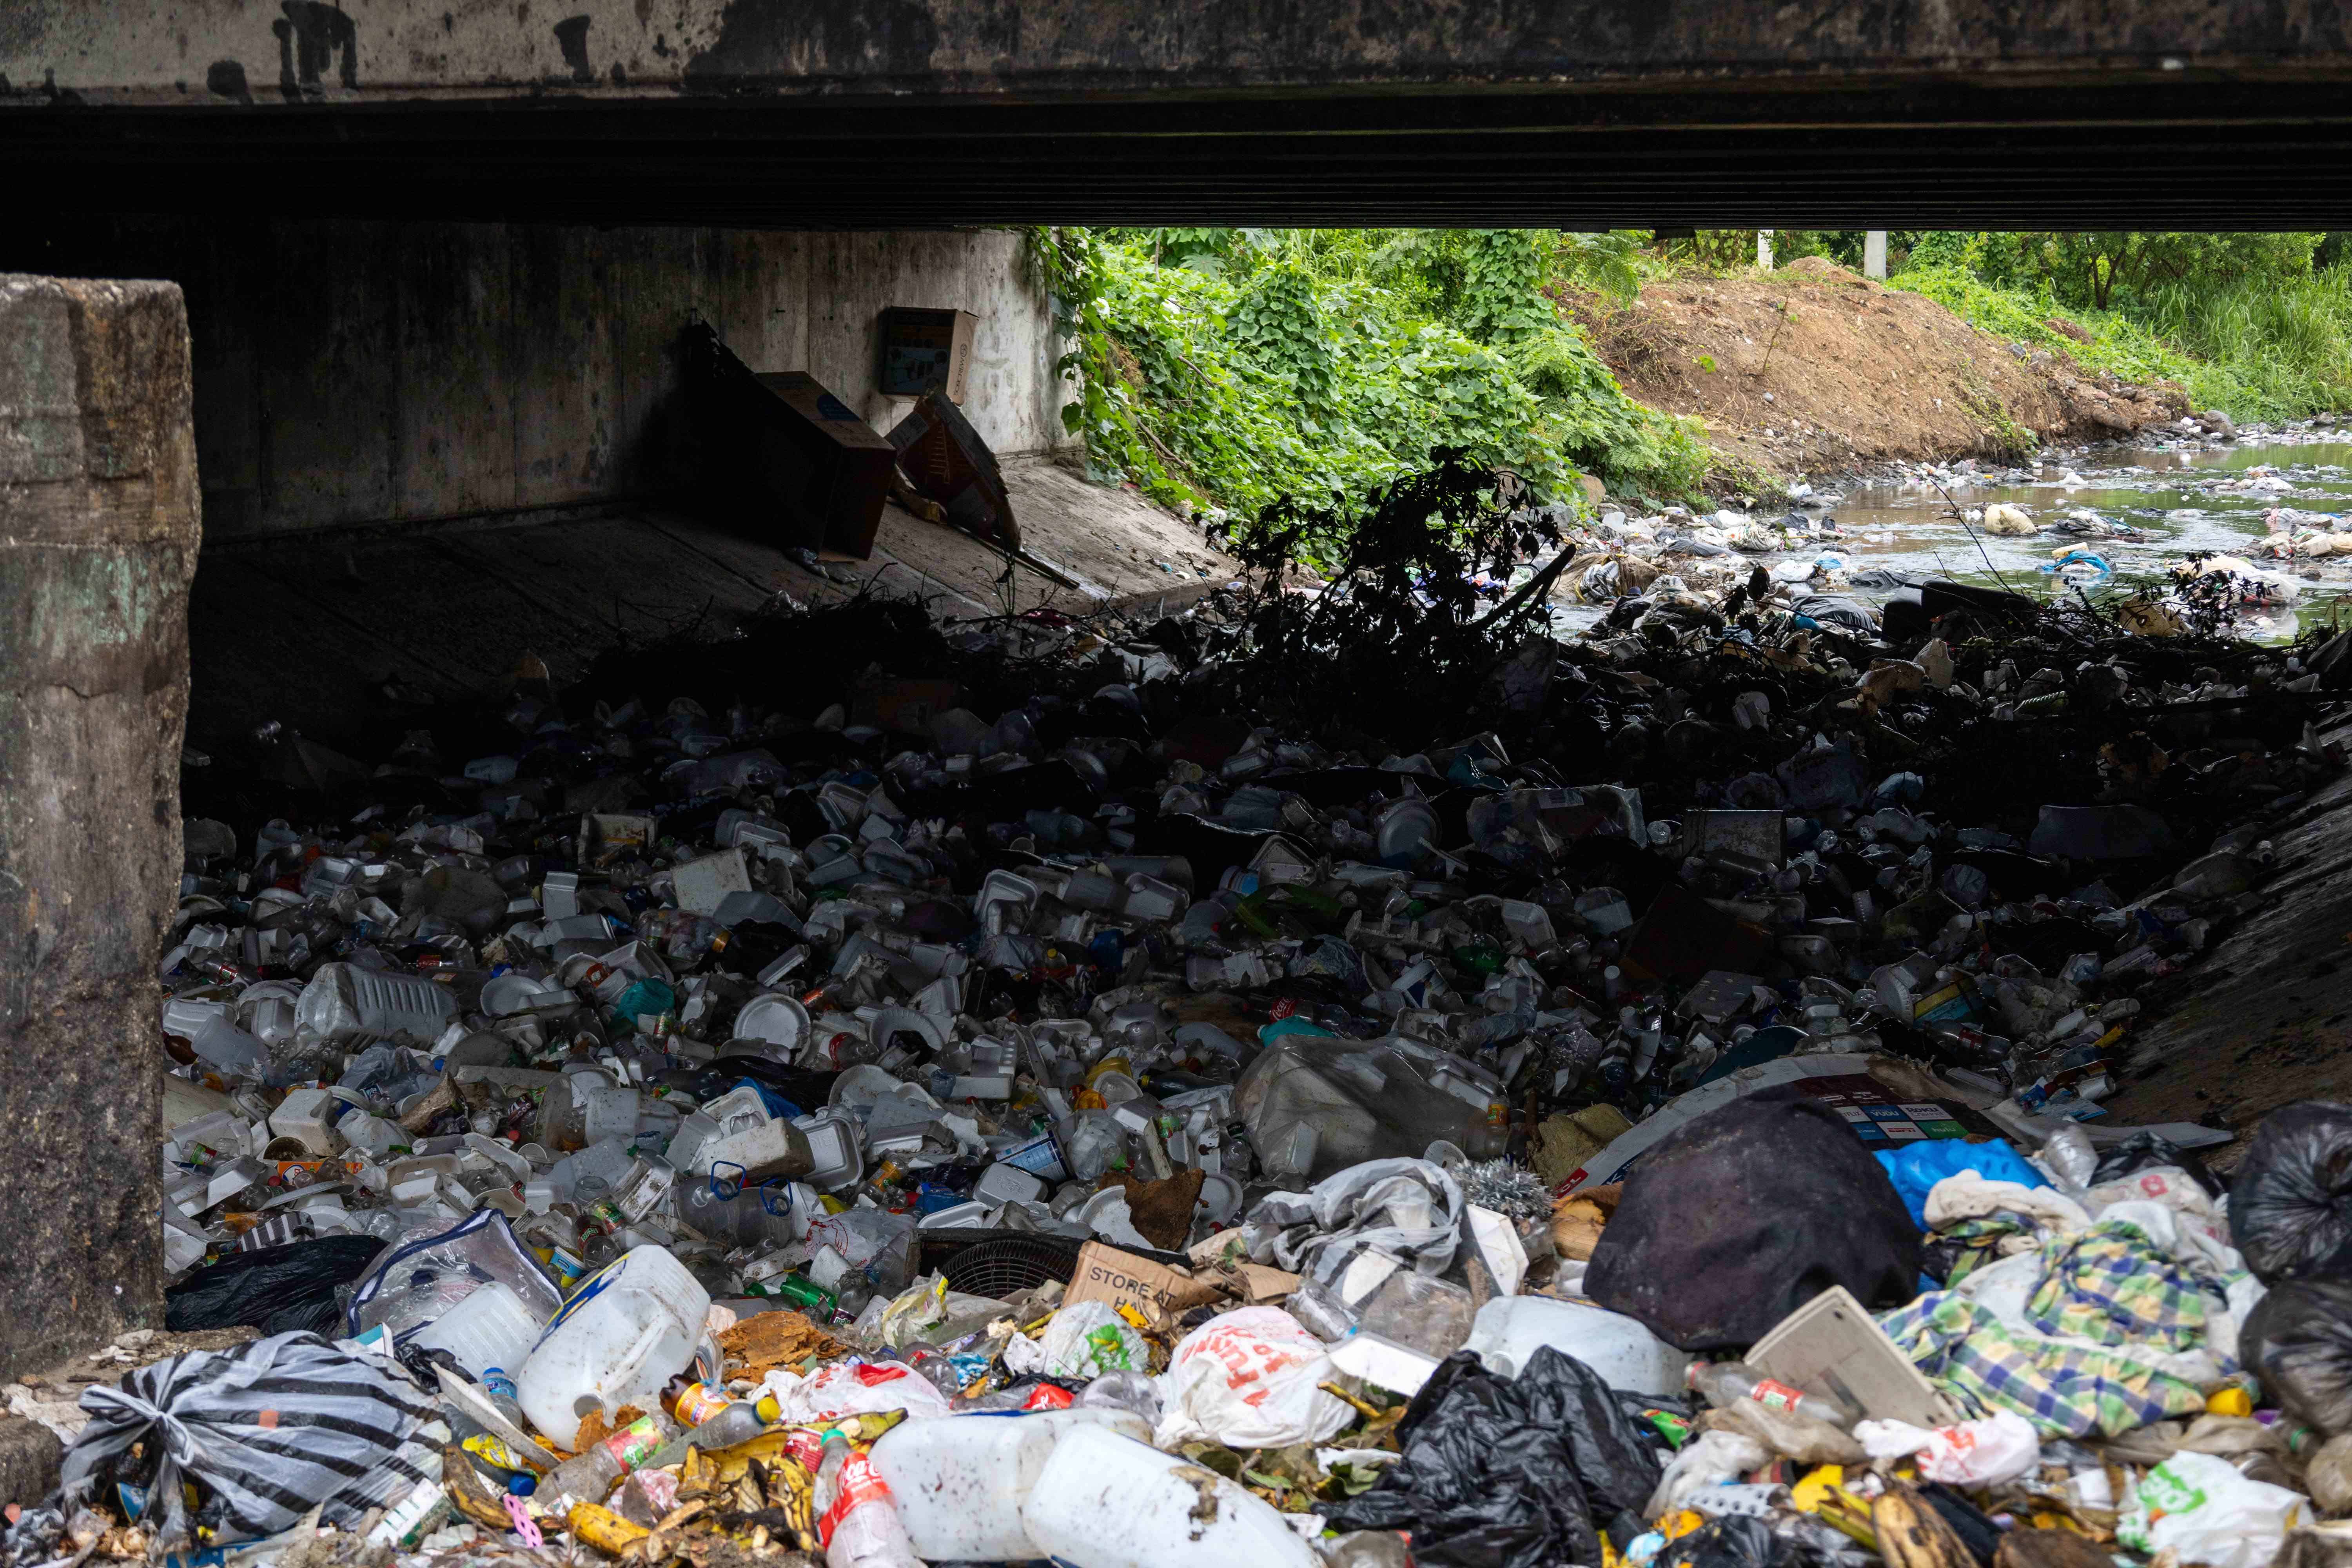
2229 1402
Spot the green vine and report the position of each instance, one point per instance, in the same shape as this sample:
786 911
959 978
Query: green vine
1222 371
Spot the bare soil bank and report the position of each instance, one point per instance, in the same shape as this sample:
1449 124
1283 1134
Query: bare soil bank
1814 370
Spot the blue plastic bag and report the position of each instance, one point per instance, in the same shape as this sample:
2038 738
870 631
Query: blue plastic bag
1916 1168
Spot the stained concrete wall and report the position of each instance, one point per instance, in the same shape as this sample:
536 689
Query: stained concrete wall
232 55
360 372
98 544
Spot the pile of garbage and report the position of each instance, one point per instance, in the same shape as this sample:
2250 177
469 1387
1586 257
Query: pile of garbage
1044 1089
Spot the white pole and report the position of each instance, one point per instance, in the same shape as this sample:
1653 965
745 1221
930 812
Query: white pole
1764 249
1874 253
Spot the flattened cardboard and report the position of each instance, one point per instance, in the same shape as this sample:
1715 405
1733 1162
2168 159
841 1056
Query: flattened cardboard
1832 1343
1223 1261
943 459
1105 1273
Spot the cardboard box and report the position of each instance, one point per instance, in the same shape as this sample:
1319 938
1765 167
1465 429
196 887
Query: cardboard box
821 459
925 350
780 456
904 705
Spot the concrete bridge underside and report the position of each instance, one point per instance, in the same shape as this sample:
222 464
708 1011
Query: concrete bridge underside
896 113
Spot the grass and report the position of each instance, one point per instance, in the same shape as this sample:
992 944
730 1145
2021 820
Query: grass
2255 349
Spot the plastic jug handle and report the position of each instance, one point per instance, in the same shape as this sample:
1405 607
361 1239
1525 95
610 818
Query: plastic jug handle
641 1346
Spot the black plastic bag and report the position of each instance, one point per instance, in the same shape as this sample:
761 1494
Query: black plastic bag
1736 1542
1503 1472
2291 1202
1745 1216
2151 1151
2298 1341
287 1289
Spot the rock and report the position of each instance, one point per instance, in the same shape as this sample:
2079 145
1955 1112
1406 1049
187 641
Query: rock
29 1453
2216 421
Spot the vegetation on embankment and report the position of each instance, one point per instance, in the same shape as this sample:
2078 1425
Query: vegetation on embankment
1225 369
1222 369
2256 325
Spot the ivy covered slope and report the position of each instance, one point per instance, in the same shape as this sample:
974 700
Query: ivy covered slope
1224 370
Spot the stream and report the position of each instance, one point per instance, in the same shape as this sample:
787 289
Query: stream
2185 499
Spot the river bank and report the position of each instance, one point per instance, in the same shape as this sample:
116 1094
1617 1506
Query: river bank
1813 371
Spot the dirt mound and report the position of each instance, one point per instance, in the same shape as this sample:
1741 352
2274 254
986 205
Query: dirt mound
1813 369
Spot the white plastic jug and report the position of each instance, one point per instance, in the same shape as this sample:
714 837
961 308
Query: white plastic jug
628 1329
344 1002
587 1108
763 1149
1508 1330
490 1330
1106 1502
958 1482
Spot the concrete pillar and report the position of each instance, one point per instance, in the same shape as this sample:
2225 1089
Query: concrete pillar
1874 253
99 532
1764 249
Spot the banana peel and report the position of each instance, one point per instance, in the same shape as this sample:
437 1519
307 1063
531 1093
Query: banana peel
600 1527
1911 1534
2048 1549
724 1467
1822 1493
469 1493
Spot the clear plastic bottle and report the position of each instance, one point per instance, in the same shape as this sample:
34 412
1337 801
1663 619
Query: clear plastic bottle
855 1518
1726 1382
591 1475
712 1420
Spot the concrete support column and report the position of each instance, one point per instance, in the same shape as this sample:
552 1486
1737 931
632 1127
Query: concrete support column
98 530
1764 249
1874 253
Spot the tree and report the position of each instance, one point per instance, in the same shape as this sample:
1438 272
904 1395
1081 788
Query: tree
2086 267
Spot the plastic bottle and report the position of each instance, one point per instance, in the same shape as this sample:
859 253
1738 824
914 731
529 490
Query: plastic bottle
1649 1034
591 1475
713 1420
489 1331
1615 1067
855 1518
344 1002
958 1484
498 1388
803 1293
1725 1382
1106 1502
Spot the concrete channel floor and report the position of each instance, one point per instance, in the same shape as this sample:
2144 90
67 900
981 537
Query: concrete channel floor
308 628
2265 1018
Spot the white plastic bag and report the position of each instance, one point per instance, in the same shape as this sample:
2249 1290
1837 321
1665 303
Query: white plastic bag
2202 1509
1969 1453
854 1388
1709 1460
2176 1189
1090 1339
1248 1380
